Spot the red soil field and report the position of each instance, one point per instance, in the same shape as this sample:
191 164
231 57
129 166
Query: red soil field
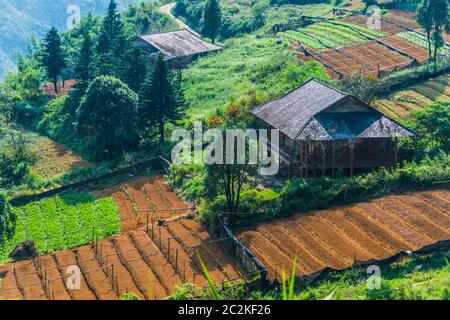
134 262
412 49
376 56
142 197
339 62
335 238
386 27
147 260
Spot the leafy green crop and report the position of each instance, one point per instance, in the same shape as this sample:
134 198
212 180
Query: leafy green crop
63 222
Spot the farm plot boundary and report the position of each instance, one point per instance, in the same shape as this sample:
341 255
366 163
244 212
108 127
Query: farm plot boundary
149 265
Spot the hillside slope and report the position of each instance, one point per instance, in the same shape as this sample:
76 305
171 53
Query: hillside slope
21 20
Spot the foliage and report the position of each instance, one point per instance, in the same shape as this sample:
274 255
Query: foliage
129 297
107 116
433 16
159 103
212 19
53 56
16 159
251 69
63 222
7 217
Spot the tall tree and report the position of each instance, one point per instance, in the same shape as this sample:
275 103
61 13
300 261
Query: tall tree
107 116
53 56
159 101
136 68
212 19
425 19
111 43
441 21
433 16
83 68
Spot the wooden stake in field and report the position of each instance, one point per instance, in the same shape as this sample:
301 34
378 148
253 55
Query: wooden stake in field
168 249
176 260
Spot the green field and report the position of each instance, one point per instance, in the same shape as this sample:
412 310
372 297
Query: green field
331 34
250 65
63 222
420 278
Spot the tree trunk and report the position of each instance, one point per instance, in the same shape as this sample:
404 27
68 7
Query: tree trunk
161 132
429 43
55 84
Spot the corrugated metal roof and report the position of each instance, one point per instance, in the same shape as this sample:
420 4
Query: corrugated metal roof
299 116
180 43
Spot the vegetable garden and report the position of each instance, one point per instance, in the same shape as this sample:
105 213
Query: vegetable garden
63 222
149 260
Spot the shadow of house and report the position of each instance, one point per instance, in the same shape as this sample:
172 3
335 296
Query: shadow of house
323 130
179 47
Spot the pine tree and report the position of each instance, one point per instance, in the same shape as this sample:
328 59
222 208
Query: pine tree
83 69
111 43
159 103
136 68
53 56
212 19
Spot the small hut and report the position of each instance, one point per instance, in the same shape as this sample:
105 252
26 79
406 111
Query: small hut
323 129
178 47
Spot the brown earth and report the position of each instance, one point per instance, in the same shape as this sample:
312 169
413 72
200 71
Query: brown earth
132 262
336 238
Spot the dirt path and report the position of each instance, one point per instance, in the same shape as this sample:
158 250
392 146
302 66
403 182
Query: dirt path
167 9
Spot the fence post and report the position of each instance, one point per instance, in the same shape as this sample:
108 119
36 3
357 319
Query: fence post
176 260
168 249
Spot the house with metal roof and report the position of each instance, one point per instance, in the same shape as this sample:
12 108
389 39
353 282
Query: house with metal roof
323 130
178 47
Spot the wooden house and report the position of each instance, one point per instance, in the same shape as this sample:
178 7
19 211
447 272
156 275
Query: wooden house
323 130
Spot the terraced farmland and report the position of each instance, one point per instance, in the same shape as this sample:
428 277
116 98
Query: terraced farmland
149 265
331 34
335 238
144 199
401 103
156 251
386 28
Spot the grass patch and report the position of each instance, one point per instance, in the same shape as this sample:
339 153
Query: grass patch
248 65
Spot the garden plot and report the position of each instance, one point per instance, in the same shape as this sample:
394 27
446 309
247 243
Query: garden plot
331 34
149 265
400 104
145 199
336 238
63 222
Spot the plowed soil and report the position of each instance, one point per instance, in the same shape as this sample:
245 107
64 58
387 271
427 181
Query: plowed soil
145 199
132 262
336 238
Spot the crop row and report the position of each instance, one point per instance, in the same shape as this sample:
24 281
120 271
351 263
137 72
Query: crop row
421 40
63 222
332 34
